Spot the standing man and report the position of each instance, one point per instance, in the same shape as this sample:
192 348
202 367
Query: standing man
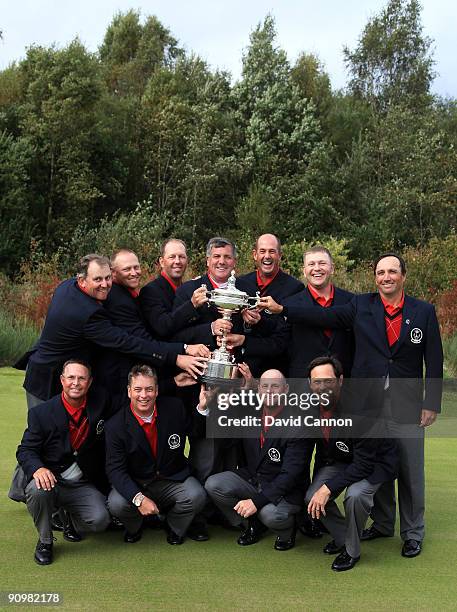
123 307
146 464
156 298
396 335
62 455
309 341
268 491
346 459
77 322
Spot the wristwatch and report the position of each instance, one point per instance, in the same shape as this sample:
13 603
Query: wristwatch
138 499
185 349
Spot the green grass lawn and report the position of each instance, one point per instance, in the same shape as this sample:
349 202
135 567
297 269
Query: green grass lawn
104 573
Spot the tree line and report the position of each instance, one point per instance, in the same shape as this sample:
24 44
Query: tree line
142 129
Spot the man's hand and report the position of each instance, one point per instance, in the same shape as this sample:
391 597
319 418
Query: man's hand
233 340
148 507
317 504
428 417
219 326
246 373
199 297
44 479
251 317
245 508
206 395
198 350
268 303
195 366
183 379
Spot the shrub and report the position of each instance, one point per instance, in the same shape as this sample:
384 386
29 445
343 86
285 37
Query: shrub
450 355
16 337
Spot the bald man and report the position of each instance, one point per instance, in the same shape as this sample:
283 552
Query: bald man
267 279
268 491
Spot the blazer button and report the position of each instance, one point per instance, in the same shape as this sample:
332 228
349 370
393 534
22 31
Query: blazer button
157 473
391 360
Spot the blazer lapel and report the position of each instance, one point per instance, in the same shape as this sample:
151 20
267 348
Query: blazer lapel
377 310
137 433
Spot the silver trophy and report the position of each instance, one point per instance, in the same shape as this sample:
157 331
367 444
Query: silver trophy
221 369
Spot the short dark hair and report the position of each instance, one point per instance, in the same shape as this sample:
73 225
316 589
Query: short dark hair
141 370
167 241
326 360
86 260
317 249
390 254
77 362
218 242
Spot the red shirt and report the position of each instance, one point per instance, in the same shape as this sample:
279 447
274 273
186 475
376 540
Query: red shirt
263 284
393 318
150 429
265 428
168 279
325 414
324 302
78 423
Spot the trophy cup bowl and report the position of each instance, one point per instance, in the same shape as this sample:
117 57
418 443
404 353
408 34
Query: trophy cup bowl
222 369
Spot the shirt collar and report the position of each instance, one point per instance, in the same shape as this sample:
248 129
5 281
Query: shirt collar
170 282
72 411
320 299
389 308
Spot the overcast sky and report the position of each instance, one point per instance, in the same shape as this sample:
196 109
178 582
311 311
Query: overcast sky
218 30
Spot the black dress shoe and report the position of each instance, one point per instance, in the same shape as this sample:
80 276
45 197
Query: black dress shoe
131 538
344 562
309 528
253 533
174 539
43 553
411 548
372 534
69 532
332 549
284 544
198 531
56 522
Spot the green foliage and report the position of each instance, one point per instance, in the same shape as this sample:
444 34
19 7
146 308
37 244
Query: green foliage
16 337
450 355
142 230
392 63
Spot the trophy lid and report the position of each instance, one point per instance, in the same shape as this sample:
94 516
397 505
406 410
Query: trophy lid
231 290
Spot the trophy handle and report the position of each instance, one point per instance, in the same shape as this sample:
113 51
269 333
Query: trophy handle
255 302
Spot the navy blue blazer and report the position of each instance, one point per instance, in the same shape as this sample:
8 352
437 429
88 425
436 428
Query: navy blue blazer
419 344
125 313
156 303
280 468
76 324
309 341
129 459
46 441
281 287
371 458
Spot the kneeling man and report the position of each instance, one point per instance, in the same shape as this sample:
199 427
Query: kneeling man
345 460
145 460
268 491
61 454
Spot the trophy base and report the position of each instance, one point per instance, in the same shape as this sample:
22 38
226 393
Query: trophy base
222 374
224 383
